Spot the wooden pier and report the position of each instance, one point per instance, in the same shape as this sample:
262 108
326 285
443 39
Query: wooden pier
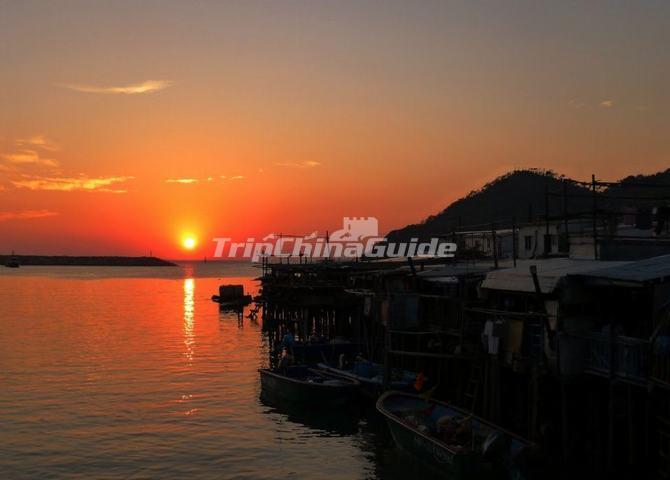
511 344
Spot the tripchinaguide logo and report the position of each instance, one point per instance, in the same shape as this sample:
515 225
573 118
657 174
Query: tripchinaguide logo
358 237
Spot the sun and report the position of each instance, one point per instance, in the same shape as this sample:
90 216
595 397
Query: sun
189 243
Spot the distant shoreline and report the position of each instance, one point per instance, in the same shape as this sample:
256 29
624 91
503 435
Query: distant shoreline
63 260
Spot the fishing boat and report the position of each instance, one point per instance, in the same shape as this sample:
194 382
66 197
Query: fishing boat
232 296
307 386
232 305
453 440
371 377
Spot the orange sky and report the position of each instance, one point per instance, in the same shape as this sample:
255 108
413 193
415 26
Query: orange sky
310 110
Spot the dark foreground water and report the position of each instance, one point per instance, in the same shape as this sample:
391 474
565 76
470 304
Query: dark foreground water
113 372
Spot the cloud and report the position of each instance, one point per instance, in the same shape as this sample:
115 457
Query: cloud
29 157
606 104
234 177
147 86
29 151
305 164
38 141
26 215
72 184
185 181
190 181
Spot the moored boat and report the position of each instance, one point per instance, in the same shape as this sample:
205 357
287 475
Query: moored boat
232 296
371 377
237 303
307 386
453 440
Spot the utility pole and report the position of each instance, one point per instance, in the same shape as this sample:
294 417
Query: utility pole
565 214
595 213
514 240
547 237
494 246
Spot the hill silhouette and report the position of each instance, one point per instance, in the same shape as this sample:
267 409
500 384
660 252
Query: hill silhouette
520 196
62 260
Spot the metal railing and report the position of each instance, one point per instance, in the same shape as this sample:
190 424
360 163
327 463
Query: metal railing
660 360
617 356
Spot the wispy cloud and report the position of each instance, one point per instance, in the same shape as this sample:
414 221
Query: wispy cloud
38 141
29 157
590 105
26 215
190 181
132 89
305 164
185 181
72 184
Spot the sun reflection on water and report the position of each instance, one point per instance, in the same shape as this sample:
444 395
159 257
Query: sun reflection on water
189 315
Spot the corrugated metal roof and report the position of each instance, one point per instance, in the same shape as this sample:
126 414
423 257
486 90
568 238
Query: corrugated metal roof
549 271
442 279
655 268
455 270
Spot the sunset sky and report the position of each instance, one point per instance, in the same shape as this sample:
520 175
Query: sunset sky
125 126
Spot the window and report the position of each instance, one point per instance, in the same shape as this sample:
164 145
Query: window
528 242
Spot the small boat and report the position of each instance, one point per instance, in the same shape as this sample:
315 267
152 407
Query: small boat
307 386
236 303
13 262
458 443
232 296
371 377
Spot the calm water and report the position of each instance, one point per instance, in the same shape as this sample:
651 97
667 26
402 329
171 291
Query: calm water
110 372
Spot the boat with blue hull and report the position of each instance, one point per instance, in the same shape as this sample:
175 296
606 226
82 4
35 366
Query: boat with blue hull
307 386
371 377
454 441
